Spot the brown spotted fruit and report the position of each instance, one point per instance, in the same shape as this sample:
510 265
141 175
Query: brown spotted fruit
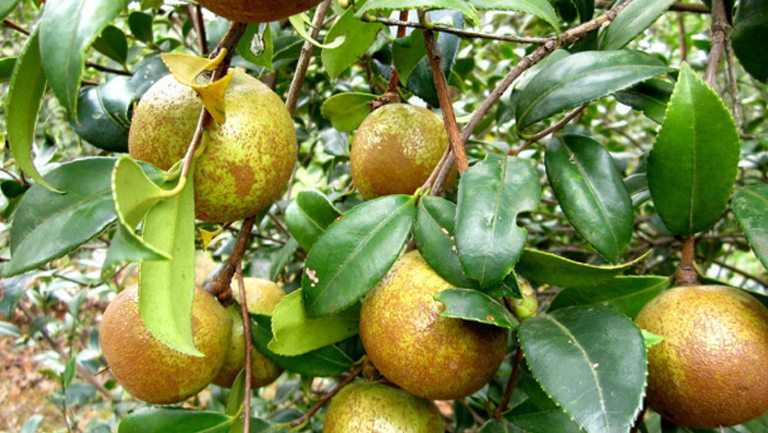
257 11
395 150
364 407
245 163
261 296
710 369
150 370
406 339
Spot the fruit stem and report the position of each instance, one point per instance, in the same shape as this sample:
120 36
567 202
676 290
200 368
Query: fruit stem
304 418
248 346
510 385
219 285
686 272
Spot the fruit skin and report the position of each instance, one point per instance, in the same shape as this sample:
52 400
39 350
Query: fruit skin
710 369
257 11
364 407
246 162
150 370
262 297
433 357
395 150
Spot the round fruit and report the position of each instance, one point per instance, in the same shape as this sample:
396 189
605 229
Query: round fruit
364 407
262 297
395 150
246 162
433 357
152 371
257 11
709 370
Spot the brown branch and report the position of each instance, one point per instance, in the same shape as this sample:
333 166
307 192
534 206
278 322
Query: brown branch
686 272
681 35
304 418
219 285
720 29
306 56
14 26
108 69
676 7
734 85
248 347
460 32
510 385
554 128
195 14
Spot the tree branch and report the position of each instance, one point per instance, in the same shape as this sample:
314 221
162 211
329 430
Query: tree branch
460 32
306 56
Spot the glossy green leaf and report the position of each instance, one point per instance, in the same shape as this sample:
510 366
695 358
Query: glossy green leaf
591 192
6 7
625 294
48 225
98 125
360 35
355 252
309 215
539 8
295 334
632 21
580 78
323 362
750 205
499 426
140 24
476 306
299 23
533 418
591 361
385 6
113 43
167 287
693 164
266 47
650 97
236 395
174 420
22 105
546 268
407 52
346 111
434 232
146 73
491 195
749 32
6 69
67 29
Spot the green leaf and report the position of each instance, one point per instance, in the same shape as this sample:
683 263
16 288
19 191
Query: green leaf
69 371
434 232
167 287
48 225
750 206
386 6
282 258
580 78
750 30
140 24
591 361
499 426
533 418
650 97
113 43
625 294
174 420
359 36
102 113
632 21
22 105
354 253
295 334
264 59
592 193
8 329
32 424
6 69
67 29
650 338
309 215
299 21
6 7
546 268
539 8
693 164
476 306
346 111
491 195
13 290
236 396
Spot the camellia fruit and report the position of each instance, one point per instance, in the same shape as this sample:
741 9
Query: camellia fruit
395 150
257 11
150 370
262 296
406 339
364 407
710 369
245 163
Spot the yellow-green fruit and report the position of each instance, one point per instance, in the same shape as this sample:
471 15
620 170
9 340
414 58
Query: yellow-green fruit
257 11
365 407
710 369
246 162
150 370
262 297
406 339
395 150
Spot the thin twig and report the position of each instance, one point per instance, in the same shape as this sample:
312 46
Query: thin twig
734 85
675 7
554 128
306 56
18 28
219 285
510 385
460 32
304 418
248 347
720 29
108 69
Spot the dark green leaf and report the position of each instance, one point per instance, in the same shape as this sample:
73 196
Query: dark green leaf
354 253
103 114
141 26
632 21
360 35
113 44
650 97
750 205
533 418
346 111
750 30
6 7
407 52
693 164
476 306
309 215
491 195
236 395
499 426
539 8
6 69
591 361
174 420
386 6
580 78
591 192
282 258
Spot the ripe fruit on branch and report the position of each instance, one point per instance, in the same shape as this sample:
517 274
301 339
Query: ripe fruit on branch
363 407
152 371
395 150
433 357
262 296
245 163
257 11
709 370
